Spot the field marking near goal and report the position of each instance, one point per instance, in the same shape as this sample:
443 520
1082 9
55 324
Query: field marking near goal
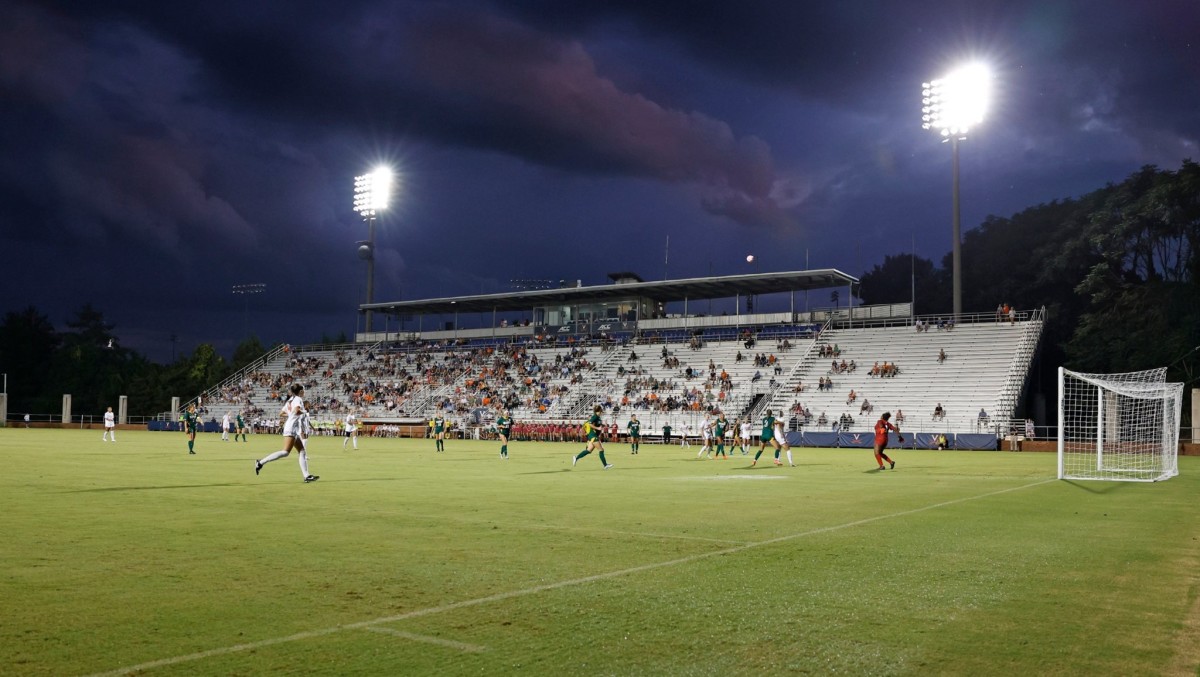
512 594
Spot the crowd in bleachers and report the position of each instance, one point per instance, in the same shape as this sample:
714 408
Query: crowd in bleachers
545 377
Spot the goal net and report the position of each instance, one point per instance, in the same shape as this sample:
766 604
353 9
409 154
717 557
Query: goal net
1118 426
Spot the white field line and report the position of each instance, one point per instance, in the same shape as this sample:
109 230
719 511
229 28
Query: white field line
499 597
461 646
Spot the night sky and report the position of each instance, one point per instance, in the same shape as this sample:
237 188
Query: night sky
154 154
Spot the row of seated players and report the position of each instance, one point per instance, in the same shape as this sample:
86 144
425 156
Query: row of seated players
496 373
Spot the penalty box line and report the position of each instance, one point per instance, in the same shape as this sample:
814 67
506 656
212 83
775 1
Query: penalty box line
512 594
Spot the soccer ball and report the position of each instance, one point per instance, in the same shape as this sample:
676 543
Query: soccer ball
750 258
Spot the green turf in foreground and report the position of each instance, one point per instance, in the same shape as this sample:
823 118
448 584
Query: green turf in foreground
403 561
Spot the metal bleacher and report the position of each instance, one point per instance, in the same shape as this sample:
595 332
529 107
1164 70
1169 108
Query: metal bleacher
985 368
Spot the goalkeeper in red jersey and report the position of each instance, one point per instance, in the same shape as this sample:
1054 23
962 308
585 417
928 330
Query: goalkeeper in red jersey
881 439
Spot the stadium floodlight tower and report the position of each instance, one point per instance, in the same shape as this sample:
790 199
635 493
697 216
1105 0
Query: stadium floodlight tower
371 194
951 106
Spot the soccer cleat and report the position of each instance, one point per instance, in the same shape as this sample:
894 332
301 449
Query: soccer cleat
882 468
753 463
257 467
778 462
893 465
191 452
312 478
574 460
608 466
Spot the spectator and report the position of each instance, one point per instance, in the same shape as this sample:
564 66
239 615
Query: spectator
941 355
866 407
899 417
983 415
1012 315
938 412
851 397
1029 430
1000 312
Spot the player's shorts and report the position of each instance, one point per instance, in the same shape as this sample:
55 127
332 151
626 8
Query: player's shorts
636 436
766 437
593 436
882 444
780 437
292 428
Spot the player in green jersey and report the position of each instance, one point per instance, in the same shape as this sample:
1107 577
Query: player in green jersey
240 428
592 428
191 422
635 433
439 431
719 433
768 435
504 426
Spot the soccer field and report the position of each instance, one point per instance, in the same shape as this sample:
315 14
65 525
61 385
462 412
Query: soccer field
136 557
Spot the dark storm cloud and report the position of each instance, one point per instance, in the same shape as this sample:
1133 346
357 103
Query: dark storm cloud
551 88
469 77
118 147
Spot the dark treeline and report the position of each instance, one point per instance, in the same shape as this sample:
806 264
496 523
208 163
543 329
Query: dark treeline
1117 270
87 362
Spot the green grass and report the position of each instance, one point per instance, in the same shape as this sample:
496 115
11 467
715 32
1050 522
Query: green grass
403 561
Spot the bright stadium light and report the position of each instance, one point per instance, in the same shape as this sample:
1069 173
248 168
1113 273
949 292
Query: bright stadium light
371 195
952 106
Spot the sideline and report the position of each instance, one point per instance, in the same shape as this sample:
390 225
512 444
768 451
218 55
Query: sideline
453 606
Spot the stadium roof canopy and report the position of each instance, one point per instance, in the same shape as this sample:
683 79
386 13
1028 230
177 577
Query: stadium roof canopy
665 291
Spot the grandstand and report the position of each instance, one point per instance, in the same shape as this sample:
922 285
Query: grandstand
669 370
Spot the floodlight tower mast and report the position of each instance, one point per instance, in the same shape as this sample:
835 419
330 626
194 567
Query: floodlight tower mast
371 194
951 105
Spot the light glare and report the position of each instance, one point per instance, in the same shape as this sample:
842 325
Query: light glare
959 100
372 192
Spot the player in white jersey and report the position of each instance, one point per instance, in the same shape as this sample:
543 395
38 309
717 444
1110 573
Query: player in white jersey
110 427
781 438
747 434
351 430
683 439
295 431
225 427
706 433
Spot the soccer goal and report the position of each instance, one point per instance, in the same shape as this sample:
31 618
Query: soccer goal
1118 426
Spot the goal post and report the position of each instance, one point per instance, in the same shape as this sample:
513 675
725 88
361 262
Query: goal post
1118 426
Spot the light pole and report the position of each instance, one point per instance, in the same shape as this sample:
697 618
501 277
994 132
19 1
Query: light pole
371 194
951 105
245 290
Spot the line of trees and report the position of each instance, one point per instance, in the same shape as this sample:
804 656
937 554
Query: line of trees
85 360
1118 270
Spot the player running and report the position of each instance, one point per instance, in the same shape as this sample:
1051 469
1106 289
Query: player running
295 431
592 428
881 439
